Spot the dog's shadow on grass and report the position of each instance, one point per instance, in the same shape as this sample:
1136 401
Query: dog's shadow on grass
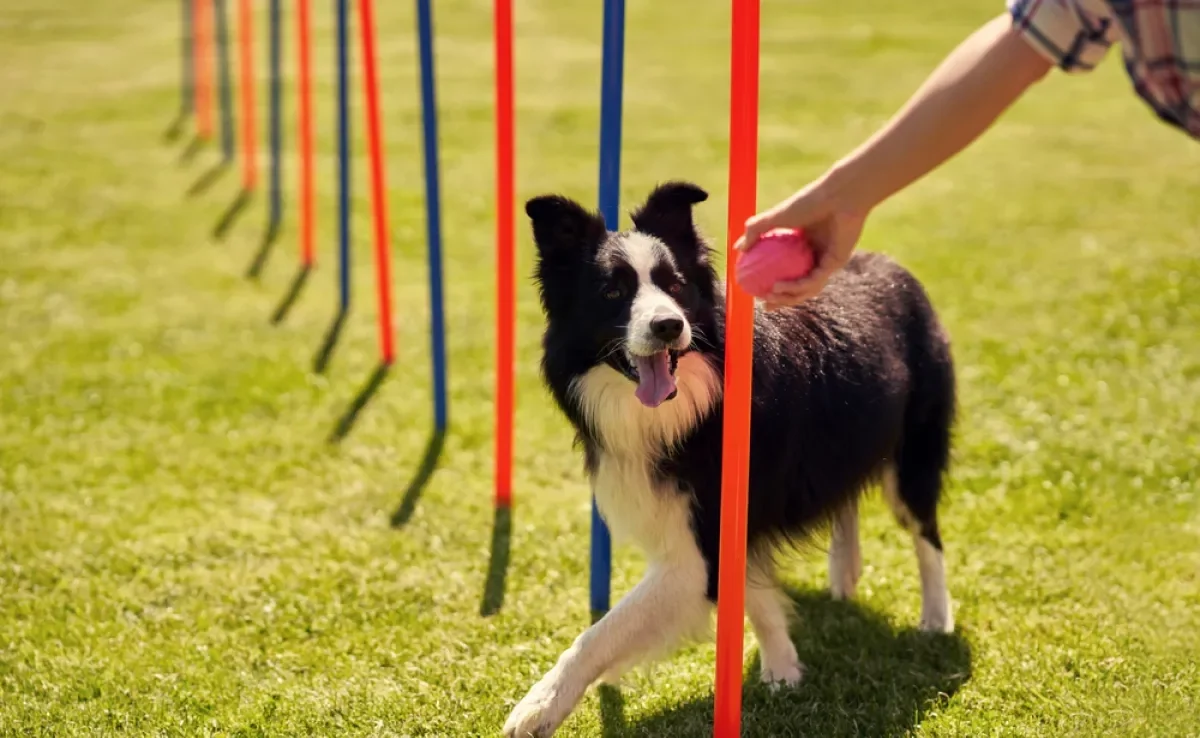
863 677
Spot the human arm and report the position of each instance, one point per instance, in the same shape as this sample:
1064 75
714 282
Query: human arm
967 92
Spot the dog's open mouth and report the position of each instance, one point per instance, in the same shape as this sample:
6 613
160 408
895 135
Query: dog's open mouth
654 375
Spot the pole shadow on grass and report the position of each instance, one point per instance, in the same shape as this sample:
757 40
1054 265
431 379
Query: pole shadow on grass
497 573
206 180
346 423
429 462
175 130
293 293
863 677
231 214
195 146
264 250
329 343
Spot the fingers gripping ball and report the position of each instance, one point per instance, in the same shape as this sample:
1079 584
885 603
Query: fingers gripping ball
779 255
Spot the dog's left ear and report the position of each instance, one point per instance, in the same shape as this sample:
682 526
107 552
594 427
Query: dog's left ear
667 215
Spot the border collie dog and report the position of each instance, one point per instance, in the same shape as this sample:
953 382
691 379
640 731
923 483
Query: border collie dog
852 387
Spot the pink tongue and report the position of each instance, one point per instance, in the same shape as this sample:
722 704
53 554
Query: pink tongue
655 383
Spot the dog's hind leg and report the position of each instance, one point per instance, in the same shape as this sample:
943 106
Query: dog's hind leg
845 559
912 484
913 501
768 608
669 604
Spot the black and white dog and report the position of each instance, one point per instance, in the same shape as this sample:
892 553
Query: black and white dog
856 385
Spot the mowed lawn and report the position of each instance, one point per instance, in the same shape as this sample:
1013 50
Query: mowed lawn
183 552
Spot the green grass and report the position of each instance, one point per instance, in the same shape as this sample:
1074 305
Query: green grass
182 553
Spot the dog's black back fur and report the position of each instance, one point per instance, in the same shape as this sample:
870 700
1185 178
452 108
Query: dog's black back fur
850 382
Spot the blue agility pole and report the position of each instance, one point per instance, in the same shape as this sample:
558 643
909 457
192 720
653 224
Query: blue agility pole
227 134
611 83
433 213
343 129
276 213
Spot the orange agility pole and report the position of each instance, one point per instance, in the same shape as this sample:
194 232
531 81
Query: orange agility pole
307 207
505 314
246 52
202 50
739 348
366 11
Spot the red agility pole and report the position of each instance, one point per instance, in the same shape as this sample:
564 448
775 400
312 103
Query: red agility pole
739 347
307 208
505 314
246 52
366 12
202 58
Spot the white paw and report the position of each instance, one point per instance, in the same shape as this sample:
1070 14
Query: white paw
937 618
782 670
844 571
842 586
540 713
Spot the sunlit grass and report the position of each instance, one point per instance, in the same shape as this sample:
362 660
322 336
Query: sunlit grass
181 552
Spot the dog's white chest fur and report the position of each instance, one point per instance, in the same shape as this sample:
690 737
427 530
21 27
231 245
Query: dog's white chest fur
639 510
634 438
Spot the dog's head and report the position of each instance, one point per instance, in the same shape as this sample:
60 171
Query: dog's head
634 300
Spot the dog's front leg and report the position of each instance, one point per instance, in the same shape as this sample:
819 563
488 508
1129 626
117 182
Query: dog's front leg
667 605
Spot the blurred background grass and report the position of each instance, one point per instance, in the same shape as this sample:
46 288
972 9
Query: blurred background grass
182 553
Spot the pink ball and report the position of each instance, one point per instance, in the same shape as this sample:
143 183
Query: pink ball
779 255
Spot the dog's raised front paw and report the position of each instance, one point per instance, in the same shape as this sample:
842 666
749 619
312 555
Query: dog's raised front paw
540 713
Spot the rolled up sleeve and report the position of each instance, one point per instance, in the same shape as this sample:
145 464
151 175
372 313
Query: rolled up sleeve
1075 35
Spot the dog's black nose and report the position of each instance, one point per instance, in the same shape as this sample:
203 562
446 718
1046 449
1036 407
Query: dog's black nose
666 329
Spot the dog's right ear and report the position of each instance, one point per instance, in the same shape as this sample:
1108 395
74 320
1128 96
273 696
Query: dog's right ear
667 215
563 226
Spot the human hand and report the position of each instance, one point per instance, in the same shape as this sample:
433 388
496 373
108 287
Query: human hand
963 97
831 228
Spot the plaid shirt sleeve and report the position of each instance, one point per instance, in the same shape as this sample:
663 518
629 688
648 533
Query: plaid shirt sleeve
1160 39
1073 35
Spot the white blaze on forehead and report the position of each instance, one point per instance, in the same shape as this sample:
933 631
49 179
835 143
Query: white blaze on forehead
643 253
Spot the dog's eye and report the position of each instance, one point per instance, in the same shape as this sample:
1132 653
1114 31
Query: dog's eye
676 288
614 293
